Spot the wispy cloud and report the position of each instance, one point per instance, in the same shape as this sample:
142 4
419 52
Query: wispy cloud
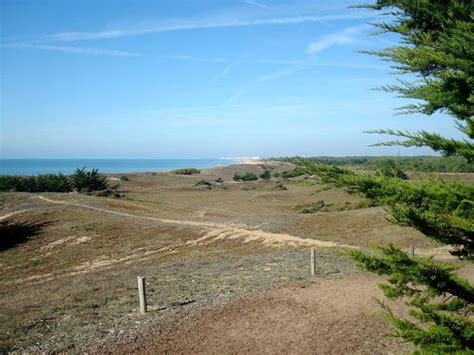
224 72
195 59
258 4
274 75
267 77
201 23
346 36
335 64
78 50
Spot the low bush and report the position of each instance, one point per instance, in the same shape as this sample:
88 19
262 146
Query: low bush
444 211
38 183
321 206
219 180
417 163
88 181
293 173
313 207
266 175
391 168
186 171
248 176
124 178
203 183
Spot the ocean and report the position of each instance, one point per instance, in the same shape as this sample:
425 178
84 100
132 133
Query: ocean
67 166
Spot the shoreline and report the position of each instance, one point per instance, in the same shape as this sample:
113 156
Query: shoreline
220 163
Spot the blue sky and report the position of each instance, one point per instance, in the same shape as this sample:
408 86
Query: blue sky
195 79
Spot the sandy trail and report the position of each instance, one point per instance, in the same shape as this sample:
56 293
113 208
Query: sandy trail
219 231
213 232
11 214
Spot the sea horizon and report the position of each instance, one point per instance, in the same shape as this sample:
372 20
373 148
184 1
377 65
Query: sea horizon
26 166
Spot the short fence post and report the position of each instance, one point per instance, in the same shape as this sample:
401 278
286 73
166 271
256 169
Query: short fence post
412 251
142 294
313 263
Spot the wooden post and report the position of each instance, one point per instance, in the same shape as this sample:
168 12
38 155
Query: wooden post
412 251
142 294
313 263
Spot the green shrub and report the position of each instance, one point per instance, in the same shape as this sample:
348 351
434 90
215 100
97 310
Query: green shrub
293 173
38 183
219 180
203 183
391 168
415 164
321 206
313 207
124 178
88 181
248 176
266 175
185 171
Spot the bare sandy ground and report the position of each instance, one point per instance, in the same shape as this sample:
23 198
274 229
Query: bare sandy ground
237 251
329 316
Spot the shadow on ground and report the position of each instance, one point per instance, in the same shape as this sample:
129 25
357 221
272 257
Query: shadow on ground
14 232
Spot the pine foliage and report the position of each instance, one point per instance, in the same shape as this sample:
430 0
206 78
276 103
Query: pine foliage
438 46
437 296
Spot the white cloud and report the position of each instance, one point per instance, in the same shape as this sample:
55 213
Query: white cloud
200 23
258 4
335 64
78 50
224 72
195 59
346 36
274 75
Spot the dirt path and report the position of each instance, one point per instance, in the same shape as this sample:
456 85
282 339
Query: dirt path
11 214
213 232
221 231
329 316
218 231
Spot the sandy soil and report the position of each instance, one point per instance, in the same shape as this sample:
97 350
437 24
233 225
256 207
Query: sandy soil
227 268
329 316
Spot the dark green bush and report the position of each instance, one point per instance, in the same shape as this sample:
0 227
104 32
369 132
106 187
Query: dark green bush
415 164
219 180
88 181
38 183
391 168
266 175
248 176
124 178
185 171
293 173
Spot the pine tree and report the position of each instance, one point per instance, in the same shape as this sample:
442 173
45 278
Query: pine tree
438 48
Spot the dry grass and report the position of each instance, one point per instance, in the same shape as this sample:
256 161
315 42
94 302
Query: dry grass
73 281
